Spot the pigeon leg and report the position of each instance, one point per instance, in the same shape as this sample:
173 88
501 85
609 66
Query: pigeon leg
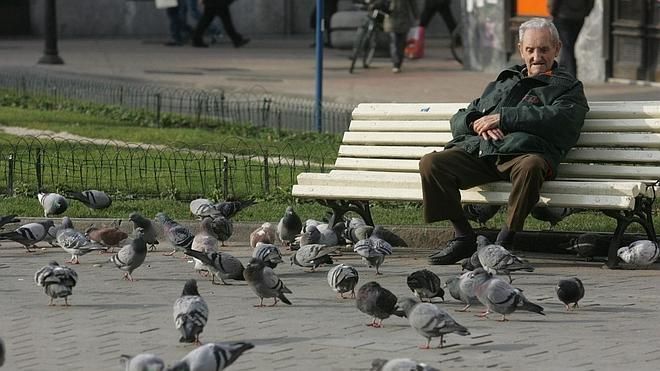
213 281
50 302
353 294
27 248
442 341
66 302
152 247
372 323
274 302
340 296
568 307
378 272
503 318
261 303
483 314
575 305
509 275
464 309
428 344
197 342
222 244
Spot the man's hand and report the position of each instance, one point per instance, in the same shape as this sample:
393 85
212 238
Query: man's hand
488 127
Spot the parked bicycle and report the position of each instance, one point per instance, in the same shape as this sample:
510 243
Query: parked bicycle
364 44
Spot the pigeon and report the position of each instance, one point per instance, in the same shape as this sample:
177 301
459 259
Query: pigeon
265 234
452 286
142 362
378 302
310 222
57 281
202 207
552 215
229 209
498 260
430 321
584 245
221 264
472 263
289 226
311 236
399 364
93 199
179 236
6 219
29 234
570 290
313 256
223 228
269 253
499 296
373 251
52 203
466 292
331 236
390 237
148 230
639 253
132 255
265 283
190 313
425 285
361 232
75 243
107 236
211 357
480 213
342 279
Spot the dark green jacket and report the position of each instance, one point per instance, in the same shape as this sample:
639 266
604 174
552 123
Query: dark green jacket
542 114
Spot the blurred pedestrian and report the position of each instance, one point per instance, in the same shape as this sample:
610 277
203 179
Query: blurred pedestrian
193 8
402 15
568 16
178 25
329 8
220 8
438 6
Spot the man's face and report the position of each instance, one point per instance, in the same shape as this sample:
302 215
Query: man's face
538 50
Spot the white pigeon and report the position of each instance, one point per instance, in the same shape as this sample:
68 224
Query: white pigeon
640 253
52 203
202 207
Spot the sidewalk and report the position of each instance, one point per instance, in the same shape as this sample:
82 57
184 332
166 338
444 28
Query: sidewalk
280 66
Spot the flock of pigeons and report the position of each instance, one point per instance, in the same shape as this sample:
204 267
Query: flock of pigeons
312 243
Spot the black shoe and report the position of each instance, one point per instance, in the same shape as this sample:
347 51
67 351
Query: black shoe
199 44
173 43
456 249
241 42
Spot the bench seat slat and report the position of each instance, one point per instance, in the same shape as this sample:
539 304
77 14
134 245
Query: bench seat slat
576 154
340 178
590 125
468 196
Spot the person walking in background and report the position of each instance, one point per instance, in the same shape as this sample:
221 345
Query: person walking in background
438 6
220 8
402 15
178 25
329 8
193 8
568 16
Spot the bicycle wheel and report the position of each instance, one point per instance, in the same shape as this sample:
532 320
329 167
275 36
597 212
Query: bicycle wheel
456 44
357 47
369 48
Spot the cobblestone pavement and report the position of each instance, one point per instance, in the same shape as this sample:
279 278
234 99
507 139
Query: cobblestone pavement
616 327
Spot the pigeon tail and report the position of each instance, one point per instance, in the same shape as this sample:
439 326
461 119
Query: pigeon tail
529 306
283 298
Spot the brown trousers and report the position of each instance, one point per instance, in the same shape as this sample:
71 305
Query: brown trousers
445 173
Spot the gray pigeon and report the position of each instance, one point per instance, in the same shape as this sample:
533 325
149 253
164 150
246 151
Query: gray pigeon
142 362
75 243
480 213
57 281
552 215
211 357
570 290
312 256
361 232
425 285
29 234
497 259
310 222
6 219
466 292
639 253
148 230
499 296
373 251
93 199
378 302
584 245
343 278
269 253
399 364
221 264
289 226
430 321
452 286
190 313
472 263
222 227
132 255
311 236
266 234
331 236
265 283
52 203
180 237
230 208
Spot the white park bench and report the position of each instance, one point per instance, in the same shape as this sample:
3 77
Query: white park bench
614 168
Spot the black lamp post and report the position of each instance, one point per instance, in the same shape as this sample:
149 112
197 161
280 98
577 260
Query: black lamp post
50 50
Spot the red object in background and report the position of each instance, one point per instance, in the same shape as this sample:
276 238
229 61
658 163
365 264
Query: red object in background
415 43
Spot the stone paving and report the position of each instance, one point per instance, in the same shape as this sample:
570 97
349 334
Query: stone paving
616 327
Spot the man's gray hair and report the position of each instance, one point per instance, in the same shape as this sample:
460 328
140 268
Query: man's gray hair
539 23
